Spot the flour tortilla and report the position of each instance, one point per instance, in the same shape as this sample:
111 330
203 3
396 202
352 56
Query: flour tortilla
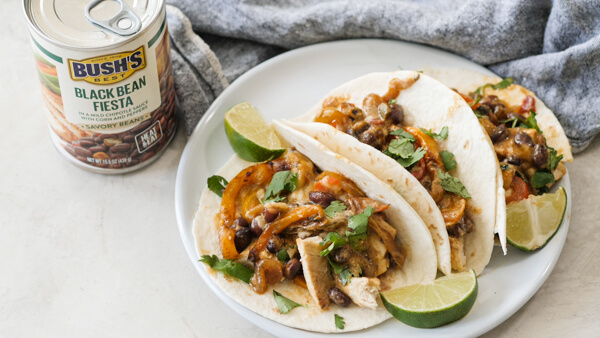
467 81
420 264
431 105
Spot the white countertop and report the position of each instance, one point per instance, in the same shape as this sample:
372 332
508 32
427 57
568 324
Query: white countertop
83 254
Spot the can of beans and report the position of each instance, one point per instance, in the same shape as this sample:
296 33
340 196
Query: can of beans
107 81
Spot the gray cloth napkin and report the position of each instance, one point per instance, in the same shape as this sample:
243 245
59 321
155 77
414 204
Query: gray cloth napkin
550 47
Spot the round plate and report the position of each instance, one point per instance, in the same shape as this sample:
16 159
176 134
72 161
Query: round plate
287 86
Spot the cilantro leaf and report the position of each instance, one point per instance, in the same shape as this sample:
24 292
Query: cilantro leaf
357 228
441 136
553 158
504 83
336 241
216 184
404 134
448 159
345 276
407 162
228 267
284 304
531 122
339 321
342 271
337 269
500 85
542 177
282 180
282 255
334 208
392 101
402 147
357 224
452 184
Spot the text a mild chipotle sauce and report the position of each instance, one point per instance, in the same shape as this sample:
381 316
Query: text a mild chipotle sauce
106 76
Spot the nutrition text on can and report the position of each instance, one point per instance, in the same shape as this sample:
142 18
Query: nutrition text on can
106 79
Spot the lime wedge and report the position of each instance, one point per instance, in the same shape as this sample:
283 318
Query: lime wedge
250 136
443 301
532 222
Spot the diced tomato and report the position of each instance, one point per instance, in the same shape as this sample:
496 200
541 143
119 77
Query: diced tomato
518 190
418 170
469 100
527 105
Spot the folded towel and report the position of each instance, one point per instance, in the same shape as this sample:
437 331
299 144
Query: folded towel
551 47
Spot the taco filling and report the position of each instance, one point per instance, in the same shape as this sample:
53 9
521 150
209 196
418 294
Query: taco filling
379 123
287 220
529 165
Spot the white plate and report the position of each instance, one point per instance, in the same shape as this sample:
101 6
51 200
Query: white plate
287 86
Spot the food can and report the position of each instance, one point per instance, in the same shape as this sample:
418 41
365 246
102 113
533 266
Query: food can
106 78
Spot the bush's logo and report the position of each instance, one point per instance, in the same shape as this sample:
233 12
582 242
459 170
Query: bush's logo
108 69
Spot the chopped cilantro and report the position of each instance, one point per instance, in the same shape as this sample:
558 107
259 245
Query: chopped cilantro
401 147
216 184
339 321
334 208
531 122
336 241
284 304
342 271
228 267
441 136
392 101
500 85
553 158
504 166
452 184
357 224
282 255
404 134
414 158
345 276
542 177
357 227
283 180
448 159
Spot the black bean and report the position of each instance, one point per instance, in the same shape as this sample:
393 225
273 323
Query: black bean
540 156
241 222
342 255
368 138
243 237
396 114
322 198
513 159
356 114
524 139
275 244
256 227
270 214
339 297
292 267
359 127
280 166
499 109
499 134
484 110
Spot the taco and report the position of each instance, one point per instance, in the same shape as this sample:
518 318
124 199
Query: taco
420 137
527 138
314 228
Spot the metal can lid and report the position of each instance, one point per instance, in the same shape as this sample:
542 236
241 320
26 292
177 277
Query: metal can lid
91 24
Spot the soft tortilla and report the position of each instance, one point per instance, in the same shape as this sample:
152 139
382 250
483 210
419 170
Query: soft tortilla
466 81
420 265
431 105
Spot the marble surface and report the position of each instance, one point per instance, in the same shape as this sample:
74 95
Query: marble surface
83 254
